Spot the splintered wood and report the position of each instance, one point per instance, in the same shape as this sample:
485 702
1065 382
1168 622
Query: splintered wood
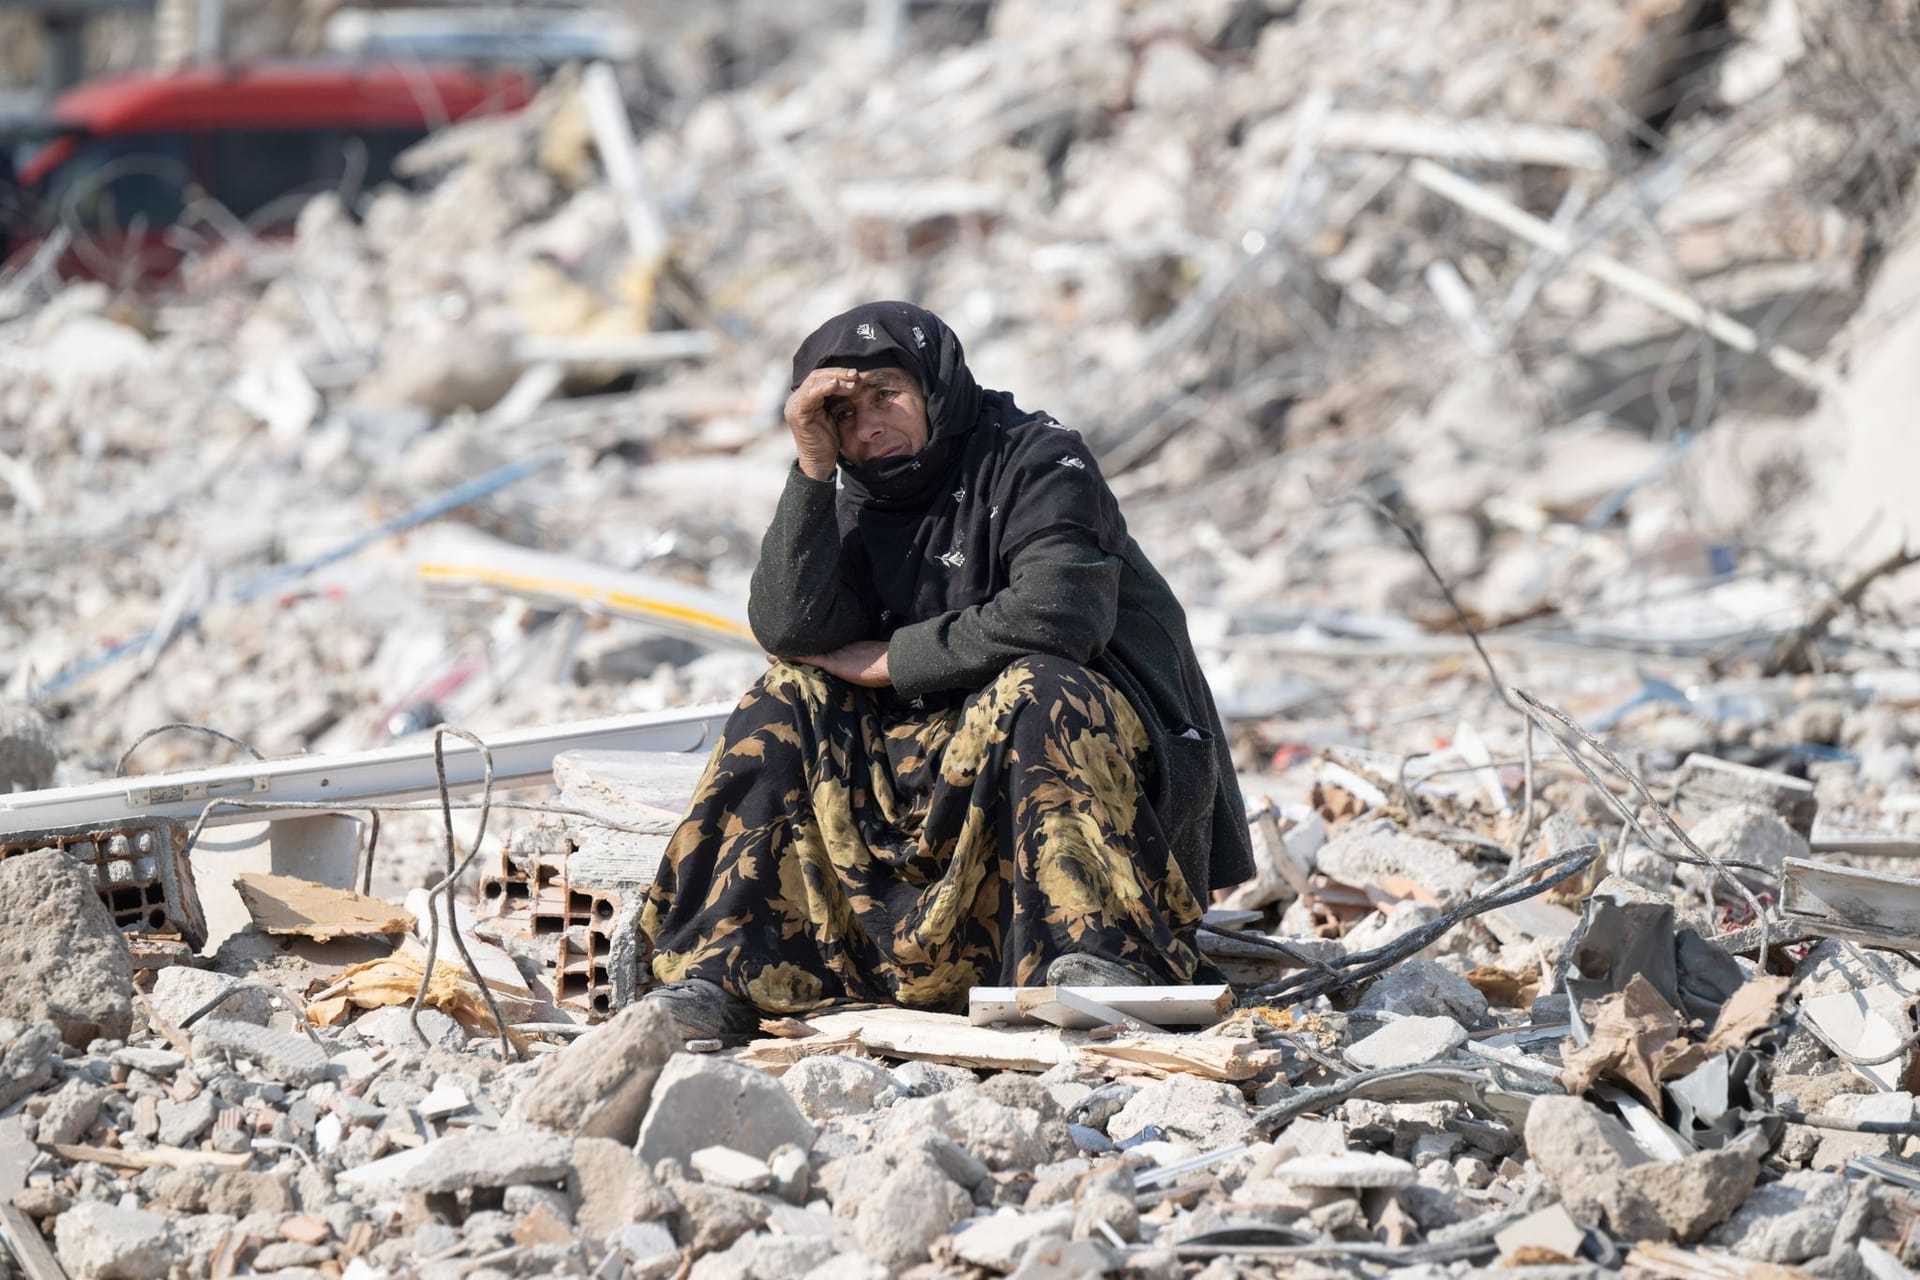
1083 1008
946 1037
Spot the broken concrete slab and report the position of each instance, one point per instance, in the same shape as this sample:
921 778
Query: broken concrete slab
725 1167
1355 1169
999 1241
1836 1147
1786 1222
1364 854
1405 1041
600 1085
1424 989
470 1158
179 991
1207 1113
392 1026
281 1055
699 1101
67 962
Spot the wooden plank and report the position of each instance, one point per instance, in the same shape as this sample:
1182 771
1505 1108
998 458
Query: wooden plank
1874 907
288 905
1670 1262
942 1037
1068 1009
1634 283
1197 1006
151 1158
945 1037
29 1247
1210 1057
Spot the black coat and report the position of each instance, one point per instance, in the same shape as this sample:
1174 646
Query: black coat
998 540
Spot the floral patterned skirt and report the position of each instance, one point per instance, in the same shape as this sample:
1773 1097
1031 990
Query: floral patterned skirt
843 845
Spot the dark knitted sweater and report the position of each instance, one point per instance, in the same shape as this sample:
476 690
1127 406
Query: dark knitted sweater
1064 596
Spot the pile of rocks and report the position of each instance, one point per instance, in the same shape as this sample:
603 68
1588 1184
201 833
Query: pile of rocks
1432 1117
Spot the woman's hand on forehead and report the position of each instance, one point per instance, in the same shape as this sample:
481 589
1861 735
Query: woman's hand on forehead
816 443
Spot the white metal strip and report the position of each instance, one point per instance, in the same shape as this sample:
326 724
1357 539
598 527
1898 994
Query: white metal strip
401 772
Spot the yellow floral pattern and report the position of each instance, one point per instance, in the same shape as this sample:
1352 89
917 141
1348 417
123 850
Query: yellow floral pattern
845 845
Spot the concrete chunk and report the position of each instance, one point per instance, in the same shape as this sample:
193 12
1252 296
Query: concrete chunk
999 1136
99 1241
65 960
1356 1169
764 1255
180 990
835 1085
1361 856
1406 1041
599 1086
279 1055
649 1251
613 1188
911 1209
1204 1112
474 1158
182 1124
998 1243
1604 1179
700 1101
725 1167
1423 989
26 1059
70 1112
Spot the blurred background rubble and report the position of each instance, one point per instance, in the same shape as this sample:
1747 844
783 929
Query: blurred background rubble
1609 305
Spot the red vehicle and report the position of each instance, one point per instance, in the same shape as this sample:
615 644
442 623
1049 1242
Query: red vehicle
143 168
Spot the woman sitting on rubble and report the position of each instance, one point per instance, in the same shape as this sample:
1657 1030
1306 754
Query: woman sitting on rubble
984 753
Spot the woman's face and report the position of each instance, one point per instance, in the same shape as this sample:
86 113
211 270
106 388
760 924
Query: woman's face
885 417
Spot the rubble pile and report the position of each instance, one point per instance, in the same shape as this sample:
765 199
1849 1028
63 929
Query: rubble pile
1511 394
1442 1058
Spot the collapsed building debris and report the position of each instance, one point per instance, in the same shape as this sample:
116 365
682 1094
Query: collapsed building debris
1513 354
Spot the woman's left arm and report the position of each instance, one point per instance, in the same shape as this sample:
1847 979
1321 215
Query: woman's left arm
1062 598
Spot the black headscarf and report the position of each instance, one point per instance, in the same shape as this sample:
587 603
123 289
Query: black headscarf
939 528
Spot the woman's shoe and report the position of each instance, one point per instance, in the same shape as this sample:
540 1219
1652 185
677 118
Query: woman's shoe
703 1010
1077 969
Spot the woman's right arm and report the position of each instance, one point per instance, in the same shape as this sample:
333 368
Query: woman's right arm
801 602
